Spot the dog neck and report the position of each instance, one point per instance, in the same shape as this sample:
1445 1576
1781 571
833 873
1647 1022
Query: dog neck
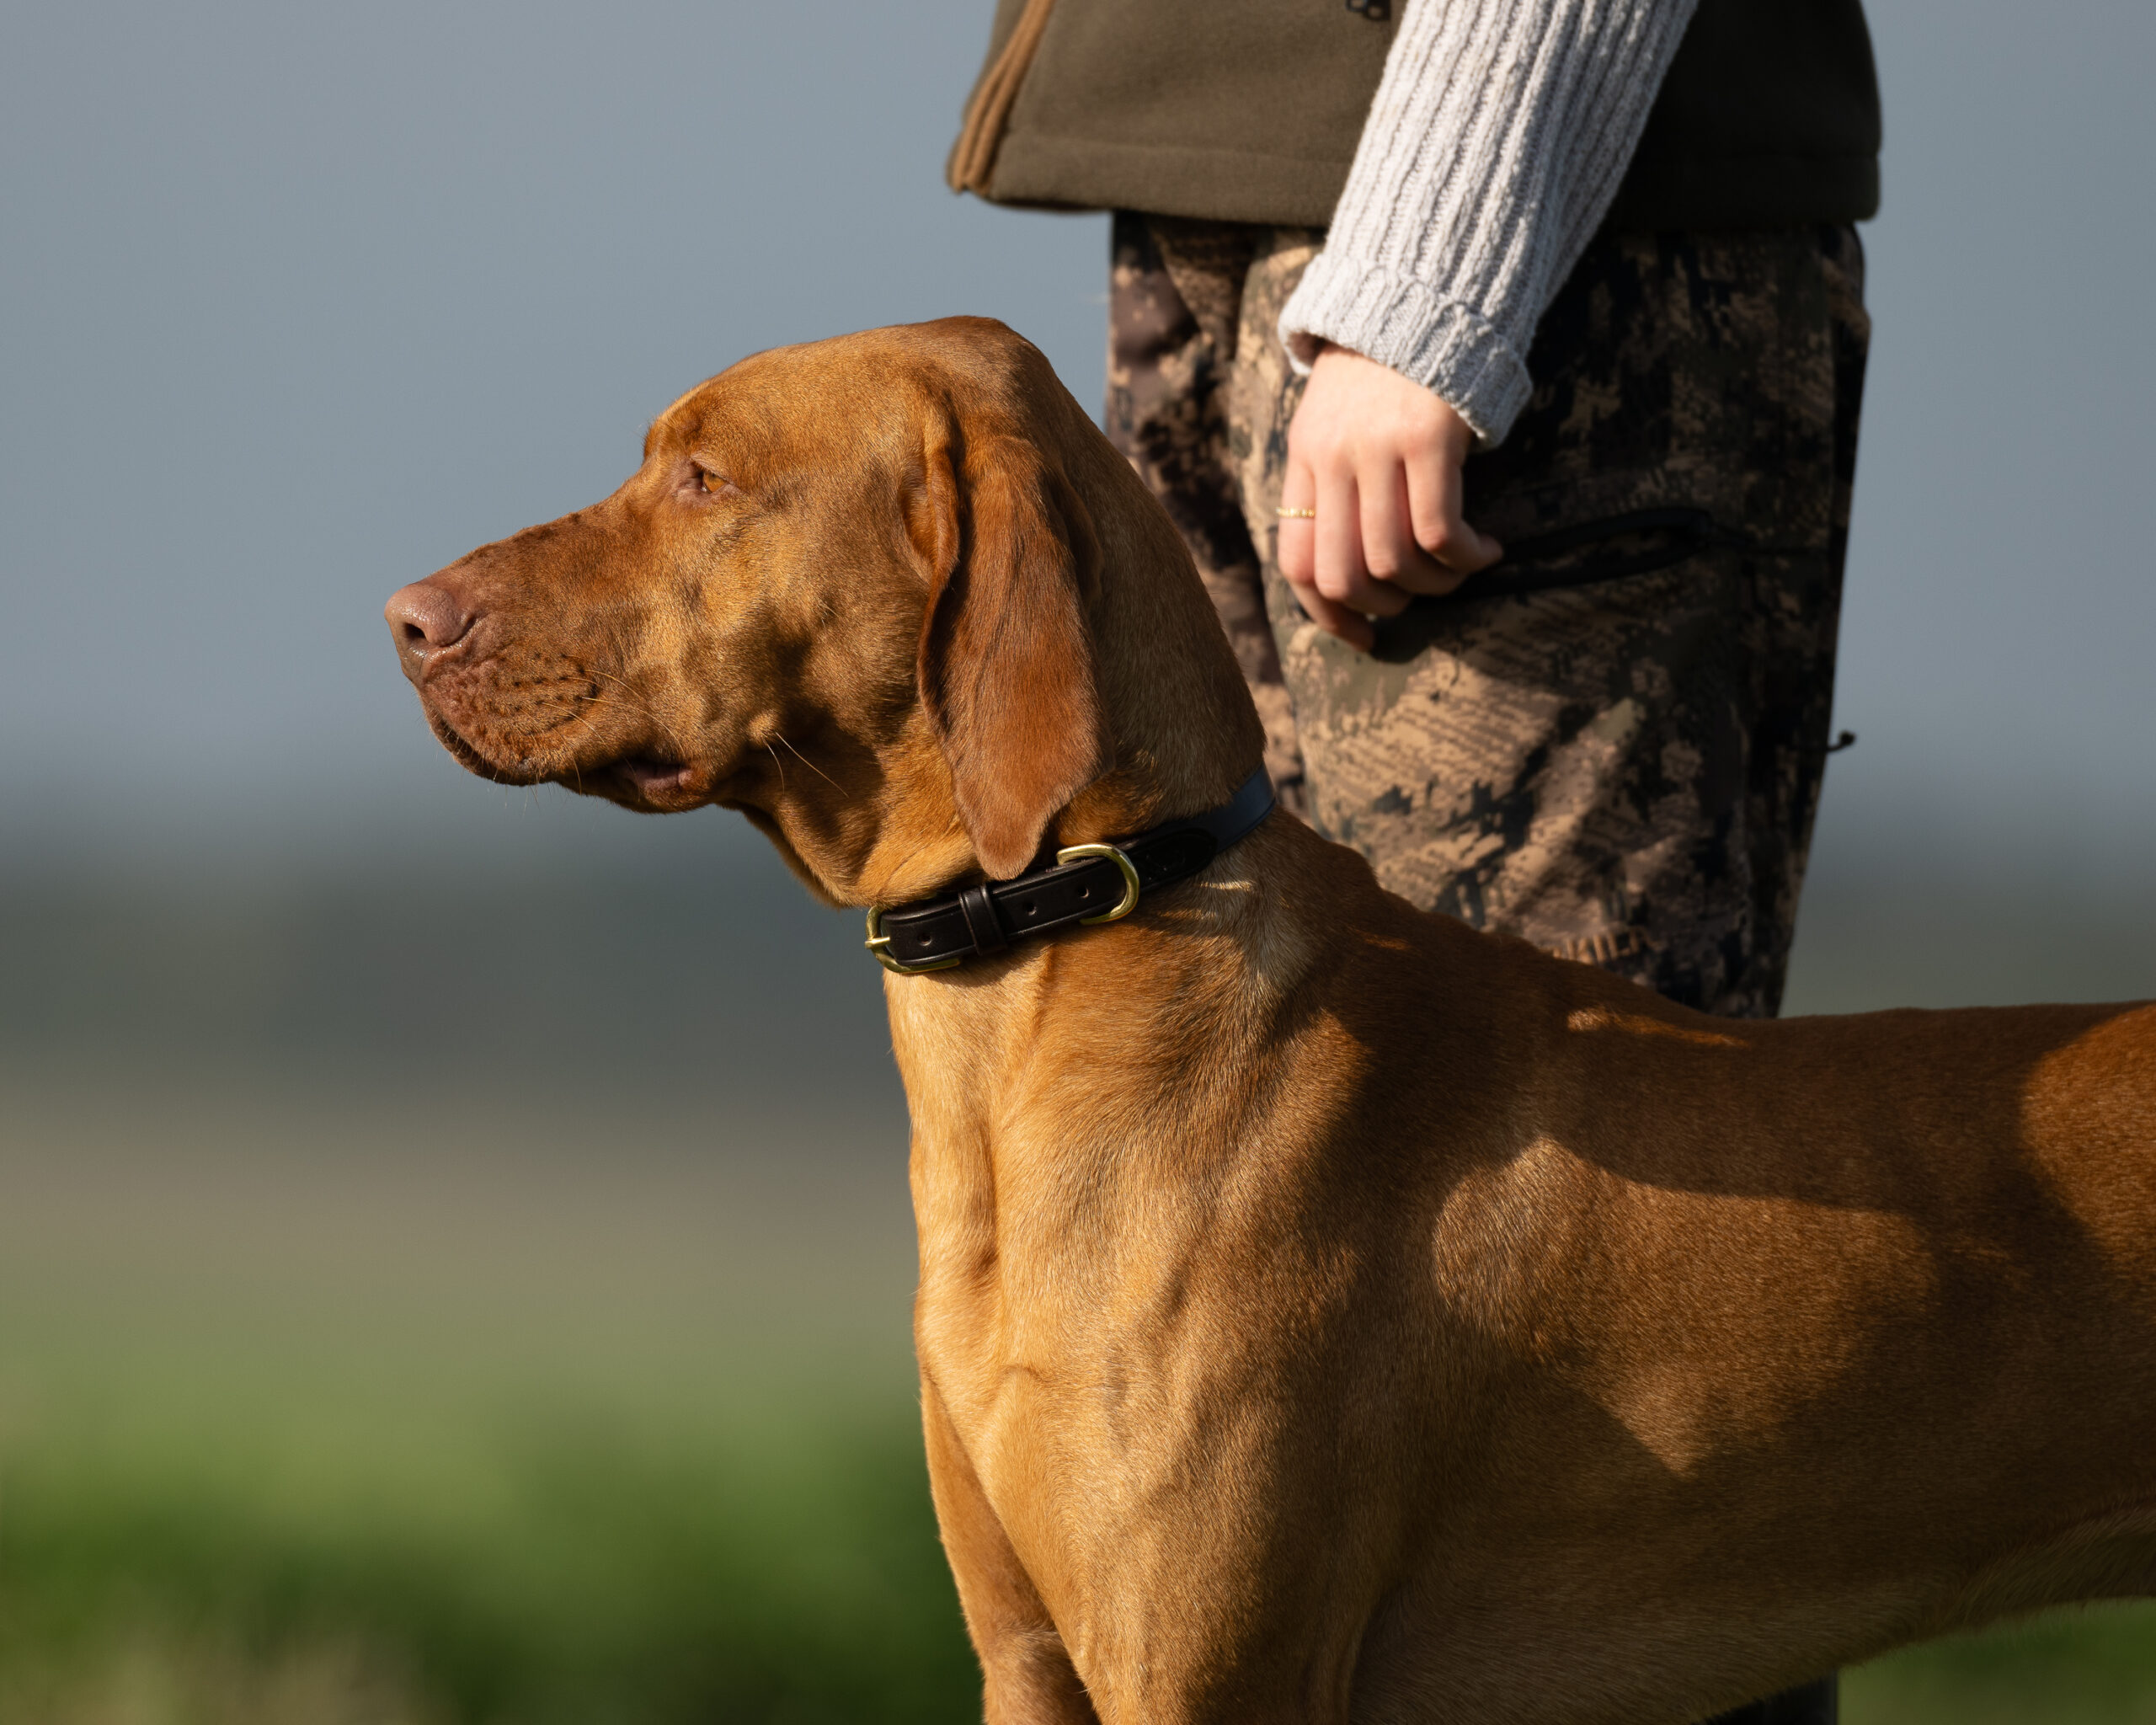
1031 1076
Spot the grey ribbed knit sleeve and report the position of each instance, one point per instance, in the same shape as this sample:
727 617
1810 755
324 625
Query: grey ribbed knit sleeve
1497 140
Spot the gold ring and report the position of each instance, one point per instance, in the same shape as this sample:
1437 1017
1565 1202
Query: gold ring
1296 514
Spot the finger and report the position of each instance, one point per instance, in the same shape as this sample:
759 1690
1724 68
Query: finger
1341 575
1435 498
1295 549
1398 566
1350 626
1339 571
1295 545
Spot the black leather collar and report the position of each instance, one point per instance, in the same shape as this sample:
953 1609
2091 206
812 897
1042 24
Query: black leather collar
1087 883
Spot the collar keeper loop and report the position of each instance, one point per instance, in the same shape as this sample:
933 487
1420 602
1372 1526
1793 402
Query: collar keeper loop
982 922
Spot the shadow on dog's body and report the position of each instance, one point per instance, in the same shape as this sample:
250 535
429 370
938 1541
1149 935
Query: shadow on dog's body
1328 1311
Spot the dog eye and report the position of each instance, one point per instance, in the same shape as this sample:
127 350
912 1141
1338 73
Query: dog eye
716 482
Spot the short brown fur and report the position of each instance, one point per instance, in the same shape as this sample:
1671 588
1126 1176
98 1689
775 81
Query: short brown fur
1328 1312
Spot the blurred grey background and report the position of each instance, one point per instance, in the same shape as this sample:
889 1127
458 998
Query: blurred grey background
297 303
314 1049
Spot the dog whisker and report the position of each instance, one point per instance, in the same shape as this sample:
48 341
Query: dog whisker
637 703
808 763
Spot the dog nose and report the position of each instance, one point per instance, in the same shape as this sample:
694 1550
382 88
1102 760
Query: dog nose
424 618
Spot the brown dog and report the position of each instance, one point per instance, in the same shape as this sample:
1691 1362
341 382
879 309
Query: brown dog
1328 1312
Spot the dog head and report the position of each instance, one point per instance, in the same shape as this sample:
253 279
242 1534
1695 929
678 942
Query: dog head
856 589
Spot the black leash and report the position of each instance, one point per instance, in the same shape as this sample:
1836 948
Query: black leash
1087 883
1662 537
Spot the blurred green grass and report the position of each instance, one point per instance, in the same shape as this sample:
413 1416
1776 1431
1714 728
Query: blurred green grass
547 1564
438 1424
358 1370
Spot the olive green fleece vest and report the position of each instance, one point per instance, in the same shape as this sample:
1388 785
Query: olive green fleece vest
1249 110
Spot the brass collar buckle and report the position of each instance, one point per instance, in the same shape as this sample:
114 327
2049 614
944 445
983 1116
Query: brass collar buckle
984 919
1078 853
879 943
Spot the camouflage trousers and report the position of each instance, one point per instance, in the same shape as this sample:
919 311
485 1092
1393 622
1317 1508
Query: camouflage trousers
1623 772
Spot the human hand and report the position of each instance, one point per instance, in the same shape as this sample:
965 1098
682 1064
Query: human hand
1377 457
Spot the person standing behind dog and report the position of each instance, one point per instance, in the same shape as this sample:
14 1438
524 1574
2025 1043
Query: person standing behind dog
1388 293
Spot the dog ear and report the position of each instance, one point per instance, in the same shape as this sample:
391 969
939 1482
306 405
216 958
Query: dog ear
1006 662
